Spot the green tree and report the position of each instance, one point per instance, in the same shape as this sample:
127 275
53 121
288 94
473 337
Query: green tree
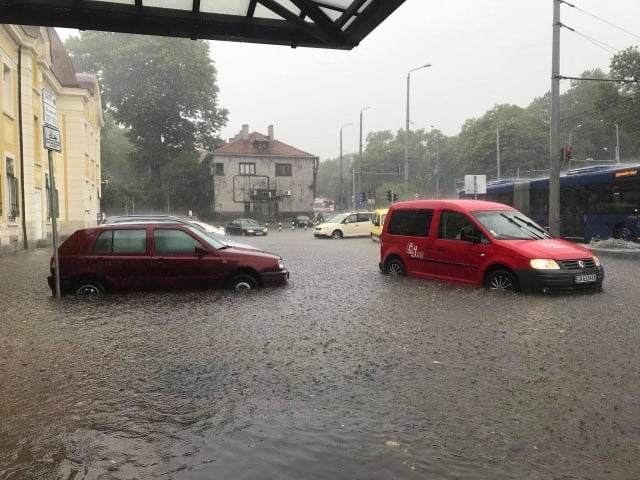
163 90
626 104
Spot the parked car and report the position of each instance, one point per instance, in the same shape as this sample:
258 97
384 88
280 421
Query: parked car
354 224
482 243
208 227
302 220
111 219
377 221
246 227
150 256
216 232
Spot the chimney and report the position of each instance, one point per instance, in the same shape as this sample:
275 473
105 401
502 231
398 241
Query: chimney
271 133
245 132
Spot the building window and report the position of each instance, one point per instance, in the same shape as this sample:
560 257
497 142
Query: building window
247 168
12 191
283 170
7 90
219 169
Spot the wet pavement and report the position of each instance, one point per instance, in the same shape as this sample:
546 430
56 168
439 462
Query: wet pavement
344 373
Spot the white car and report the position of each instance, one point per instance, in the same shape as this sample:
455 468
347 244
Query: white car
208 227
354 224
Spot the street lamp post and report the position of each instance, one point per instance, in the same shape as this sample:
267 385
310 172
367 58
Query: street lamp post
571 131
406 133
340 193
617 145
437 161
359 156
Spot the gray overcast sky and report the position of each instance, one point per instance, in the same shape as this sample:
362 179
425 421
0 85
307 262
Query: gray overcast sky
483 53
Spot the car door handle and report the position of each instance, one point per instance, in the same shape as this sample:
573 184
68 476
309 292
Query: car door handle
158 260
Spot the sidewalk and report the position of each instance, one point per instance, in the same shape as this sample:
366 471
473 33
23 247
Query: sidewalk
615 248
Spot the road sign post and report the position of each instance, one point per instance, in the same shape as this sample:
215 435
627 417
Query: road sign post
51 141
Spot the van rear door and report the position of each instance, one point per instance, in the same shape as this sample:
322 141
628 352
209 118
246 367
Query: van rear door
410 232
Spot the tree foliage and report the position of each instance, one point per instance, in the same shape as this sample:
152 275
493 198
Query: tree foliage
164 92
597 116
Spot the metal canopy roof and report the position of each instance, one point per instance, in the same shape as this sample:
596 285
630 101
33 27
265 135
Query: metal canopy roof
339 24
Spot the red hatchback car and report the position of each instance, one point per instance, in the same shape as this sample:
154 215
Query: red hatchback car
159 256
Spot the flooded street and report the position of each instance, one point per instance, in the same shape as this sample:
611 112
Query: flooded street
344 374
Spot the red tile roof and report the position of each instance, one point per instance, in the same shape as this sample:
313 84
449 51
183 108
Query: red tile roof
275 147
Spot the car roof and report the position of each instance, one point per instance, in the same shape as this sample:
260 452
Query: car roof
464 205
136 218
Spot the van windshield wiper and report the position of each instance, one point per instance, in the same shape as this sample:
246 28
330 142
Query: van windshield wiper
538 229
519 225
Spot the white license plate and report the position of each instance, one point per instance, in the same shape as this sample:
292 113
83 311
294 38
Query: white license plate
591 278
258 233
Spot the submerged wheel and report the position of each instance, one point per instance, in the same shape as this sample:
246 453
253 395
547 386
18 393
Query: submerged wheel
88 287
395 268
244 281
336 235
500 280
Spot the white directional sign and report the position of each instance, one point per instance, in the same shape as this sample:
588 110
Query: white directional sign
49 108
51 138
475 184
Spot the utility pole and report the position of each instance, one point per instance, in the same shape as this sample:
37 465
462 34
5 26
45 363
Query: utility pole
554 145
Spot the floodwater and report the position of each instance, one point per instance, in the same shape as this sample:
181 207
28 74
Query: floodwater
344 374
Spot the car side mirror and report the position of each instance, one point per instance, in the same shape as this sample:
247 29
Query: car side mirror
467 234
201 251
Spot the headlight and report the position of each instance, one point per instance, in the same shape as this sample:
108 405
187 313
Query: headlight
250 230
596 260
281 264
544 264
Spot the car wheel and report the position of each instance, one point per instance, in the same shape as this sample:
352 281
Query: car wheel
395 268
623 233
336 235
500 280
243 281
88 287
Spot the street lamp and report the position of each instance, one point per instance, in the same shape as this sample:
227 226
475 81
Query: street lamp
437 135
340 198
406 133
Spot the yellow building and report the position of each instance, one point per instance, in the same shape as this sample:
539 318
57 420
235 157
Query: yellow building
32 60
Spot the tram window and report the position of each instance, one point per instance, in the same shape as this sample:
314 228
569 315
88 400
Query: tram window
538 201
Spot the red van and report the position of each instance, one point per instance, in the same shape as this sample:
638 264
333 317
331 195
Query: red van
484 244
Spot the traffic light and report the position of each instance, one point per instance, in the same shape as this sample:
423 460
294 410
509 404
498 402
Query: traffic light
567 153
389 195
364 196
395 197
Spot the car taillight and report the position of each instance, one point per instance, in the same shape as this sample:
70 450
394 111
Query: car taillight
51 263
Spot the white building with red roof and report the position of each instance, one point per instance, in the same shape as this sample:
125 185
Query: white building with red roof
257 176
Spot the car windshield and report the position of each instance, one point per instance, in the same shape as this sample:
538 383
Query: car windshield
510 225
208 238
251 222
338 218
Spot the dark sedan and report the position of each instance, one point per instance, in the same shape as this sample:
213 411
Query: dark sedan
246 227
